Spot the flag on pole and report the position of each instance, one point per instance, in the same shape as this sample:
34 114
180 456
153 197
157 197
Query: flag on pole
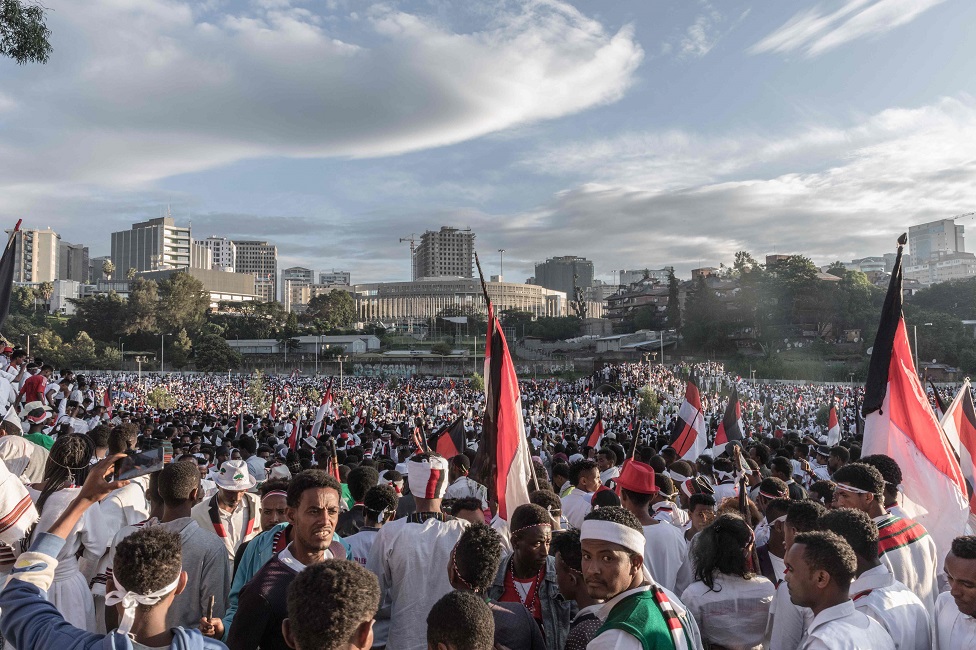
324 406
274 404
940 405
688 437
107 400
959 424
596 431
833 426
240 422
504 460
7 263
449 440
899 422
731 427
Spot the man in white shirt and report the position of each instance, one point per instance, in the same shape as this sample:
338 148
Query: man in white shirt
606 462
462 486
875 591
955 625
820 568
664 549
585 477
232 513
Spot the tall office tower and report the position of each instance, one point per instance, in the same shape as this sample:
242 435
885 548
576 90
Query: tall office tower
153 245
73 262
224 252
930 241
260 259
448 252
36 255
565 274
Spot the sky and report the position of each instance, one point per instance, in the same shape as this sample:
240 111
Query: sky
635 133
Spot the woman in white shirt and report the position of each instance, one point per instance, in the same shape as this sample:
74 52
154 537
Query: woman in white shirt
729 601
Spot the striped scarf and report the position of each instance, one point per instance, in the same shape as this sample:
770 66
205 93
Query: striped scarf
671 618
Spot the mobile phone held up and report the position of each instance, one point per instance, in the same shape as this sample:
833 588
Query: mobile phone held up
139 462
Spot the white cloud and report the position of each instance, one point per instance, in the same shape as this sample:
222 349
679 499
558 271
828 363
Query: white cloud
832 192
139 91
815 31
702 35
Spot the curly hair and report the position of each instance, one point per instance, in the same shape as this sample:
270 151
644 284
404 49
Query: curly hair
274 485
176 482
890 471
361 479
617 515
804 515
863 477
824 491
720 547
476 556
380 499
309 479
567 544
548 500
528 514
964 547
148 560
461 620
856 527
466 503
328 601
578 467
826 551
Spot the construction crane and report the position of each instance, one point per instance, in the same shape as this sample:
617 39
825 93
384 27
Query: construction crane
963 216
413 242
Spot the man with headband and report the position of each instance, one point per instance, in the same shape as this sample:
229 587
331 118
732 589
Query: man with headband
637 612
149 577
408 553
905 545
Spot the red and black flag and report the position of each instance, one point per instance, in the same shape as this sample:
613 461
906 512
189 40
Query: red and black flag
7 263
899 422
730 428
449 440
503 462
688 436
596 431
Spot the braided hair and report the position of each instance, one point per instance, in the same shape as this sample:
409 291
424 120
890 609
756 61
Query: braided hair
67 465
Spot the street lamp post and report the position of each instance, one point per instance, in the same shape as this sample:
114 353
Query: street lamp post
341 358
162 352
915 335
501 263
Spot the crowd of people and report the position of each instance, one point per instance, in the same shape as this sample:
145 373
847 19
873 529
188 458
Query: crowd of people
313 515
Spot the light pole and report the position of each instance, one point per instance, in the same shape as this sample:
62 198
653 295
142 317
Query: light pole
341 358
501 264
918 370
162 352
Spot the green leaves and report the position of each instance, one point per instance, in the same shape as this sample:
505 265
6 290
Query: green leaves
23 32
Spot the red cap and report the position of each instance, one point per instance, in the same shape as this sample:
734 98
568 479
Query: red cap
7 350
637 477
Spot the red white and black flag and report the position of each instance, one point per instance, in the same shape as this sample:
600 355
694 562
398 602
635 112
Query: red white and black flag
688 437
899 422
7 263
596 432
833 425
959 424
503 462
449 440
731 427
324 406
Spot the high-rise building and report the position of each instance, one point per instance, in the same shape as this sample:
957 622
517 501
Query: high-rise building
224 252
448 252
95 265
341 278
298 274
260 259
930 241
295 283
73 262
153 245
565 274
36 255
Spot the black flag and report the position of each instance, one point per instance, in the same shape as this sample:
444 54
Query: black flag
7 274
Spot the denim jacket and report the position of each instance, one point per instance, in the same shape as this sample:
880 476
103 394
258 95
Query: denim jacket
556 613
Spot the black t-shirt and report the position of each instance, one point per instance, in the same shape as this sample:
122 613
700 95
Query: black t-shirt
261 609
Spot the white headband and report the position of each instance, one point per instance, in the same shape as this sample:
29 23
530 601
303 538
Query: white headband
851 488
680 478
609 531
130 600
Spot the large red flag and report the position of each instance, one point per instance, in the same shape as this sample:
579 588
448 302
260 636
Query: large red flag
688 437
449 441
325 406
107 400
959 424
899 422
504 459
